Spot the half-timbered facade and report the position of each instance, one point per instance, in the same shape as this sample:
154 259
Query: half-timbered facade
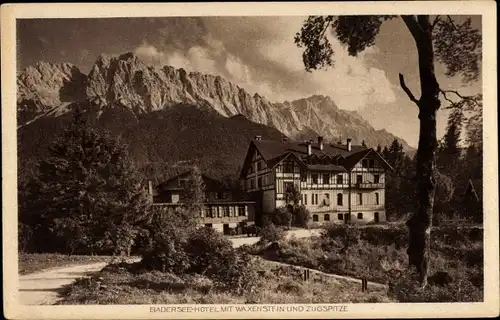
337 182
222 210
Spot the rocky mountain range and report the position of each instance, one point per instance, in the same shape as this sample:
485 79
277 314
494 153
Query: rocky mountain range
48 90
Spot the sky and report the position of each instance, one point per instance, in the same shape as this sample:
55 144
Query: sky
256 53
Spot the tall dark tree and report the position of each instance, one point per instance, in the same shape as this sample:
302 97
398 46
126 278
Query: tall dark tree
87 196
194 192
456 45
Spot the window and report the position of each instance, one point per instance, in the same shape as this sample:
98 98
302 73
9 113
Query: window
364 163
340 199
314 198
359 179
340 179
305 199
226 211
303 176
377 198
326 199
288 186
220 195
288 167
315 217
326 178
340 216
327 217
360 215
259 182
252 183
360 198
314 177
250 169
259 165
376 178
241 211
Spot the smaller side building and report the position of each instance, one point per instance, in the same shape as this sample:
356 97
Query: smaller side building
224 209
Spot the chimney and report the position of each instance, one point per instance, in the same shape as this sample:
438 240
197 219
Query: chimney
258 138
320 143
349 144
284 139
309 147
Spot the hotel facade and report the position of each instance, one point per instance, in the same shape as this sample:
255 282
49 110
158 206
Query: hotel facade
340 183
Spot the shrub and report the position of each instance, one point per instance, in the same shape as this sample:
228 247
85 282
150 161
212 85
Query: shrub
280 217
166 248
343 234
407 289
301 217
271 233
207 250
212 255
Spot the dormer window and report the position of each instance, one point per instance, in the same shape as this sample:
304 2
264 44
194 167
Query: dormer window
313 160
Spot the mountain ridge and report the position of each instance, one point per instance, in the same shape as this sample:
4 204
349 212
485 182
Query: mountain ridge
45 90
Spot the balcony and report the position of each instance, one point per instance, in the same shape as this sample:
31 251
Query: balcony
367 185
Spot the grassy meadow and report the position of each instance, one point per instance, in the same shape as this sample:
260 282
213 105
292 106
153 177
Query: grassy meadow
122 284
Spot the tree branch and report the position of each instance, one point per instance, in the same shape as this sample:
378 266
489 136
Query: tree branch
446 97
324 30
452 24
468 98
435 21
406 89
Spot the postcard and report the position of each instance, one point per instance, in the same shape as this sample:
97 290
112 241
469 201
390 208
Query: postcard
250 160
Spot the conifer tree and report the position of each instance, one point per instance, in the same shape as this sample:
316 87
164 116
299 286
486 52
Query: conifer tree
89 197
194 192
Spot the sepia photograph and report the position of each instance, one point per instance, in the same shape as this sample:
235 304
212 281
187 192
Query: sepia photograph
242 161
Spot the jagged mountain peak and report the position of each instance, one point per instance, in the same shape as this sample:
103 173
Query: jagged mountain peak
125 80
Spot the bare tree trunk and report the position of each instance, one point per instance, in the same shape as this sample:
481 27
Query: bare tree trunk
420 224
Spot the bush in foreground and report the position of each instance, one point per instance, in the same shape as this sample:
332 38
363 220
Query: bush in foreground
271 233
379 255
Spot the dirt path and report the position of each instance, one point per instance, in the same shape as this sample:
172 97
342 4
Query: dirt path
44 287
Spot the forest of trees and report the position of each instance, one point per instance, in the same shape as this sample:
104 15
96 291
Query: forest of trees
459 160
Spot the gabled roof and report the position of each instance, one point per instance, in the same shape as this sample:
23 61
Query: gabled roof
273 152
173 183
353 159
